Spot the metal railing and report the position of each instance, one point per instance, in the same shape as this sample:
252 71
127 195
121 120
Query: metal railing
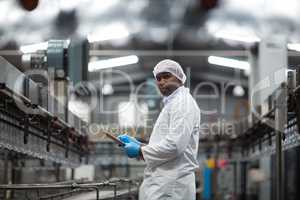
76 188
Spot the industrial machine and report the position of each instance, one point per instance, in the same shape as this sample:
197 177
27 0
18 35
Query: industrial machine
39 132
264 151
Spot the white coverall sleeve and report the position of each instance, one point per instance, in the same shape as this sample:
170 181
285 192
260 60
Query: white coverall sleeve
181 125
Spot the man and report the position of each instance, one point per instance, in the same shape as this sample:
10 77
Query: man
171 155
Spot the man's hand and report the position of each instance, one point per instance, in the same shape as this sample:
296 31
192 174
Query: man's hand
132 149
132 146
126 139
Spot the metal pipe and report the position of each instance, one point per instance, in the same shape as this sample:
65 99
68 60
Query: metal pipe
63 185
97 192
58 195
55 185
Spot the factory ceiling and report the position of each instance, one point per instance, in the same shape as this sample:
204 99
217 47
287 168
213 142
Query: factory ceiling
187 30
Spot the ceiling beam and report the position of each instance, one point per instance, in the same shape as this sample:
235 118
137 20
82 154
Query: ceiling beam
220 78
169 53
117 80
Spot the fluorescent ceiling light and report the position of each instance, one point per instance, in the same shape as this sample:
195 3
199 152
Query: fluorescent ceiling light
111 32
238 37
227 62
107 89
238 91
113 62
294 46
34 47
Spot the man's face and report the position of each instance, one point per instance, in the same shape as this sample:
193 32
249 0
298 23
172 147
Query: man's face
167 83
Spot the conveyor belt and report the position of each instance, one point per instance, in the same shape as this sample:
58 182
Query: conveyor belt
117 188
108 194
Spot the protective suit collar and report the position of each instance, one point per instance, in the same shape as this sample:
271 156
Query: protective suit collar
167 99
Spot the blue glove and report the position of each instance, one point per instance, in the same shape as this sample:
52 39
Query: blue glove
126 139
132 149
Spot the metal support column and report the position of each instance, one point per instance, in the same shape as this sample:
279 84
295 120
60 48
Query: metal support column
57 172
234 179
5 173
72 174
243 166
280 122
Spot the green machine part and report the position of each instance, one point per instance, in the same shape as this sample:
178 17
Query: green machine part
78 58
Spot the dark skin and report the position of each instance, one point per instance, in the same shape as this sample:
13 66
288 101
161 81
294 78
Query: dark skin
167 83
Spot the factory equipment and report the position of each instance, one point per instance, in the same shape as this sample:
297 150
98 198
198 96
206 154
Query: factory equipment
35 103
35 122
115 188
37 128
270 138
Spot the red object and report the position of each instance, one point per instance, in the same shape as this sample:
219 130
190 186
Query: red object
29 5
222 163
208 4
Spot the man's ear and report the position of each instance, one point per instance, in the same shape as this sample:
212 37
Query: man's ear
179 82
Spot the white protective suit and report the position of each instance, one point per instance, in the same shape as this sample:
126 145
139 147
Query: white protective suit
171 155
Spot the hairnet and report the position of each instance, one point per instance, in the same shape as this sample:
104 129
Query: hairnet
170 66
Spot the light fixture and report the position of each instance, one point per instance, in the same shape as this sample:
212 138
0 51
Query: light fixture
238 91
113 62
110 32
34 47
107 89
293 46
227 62
237 37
